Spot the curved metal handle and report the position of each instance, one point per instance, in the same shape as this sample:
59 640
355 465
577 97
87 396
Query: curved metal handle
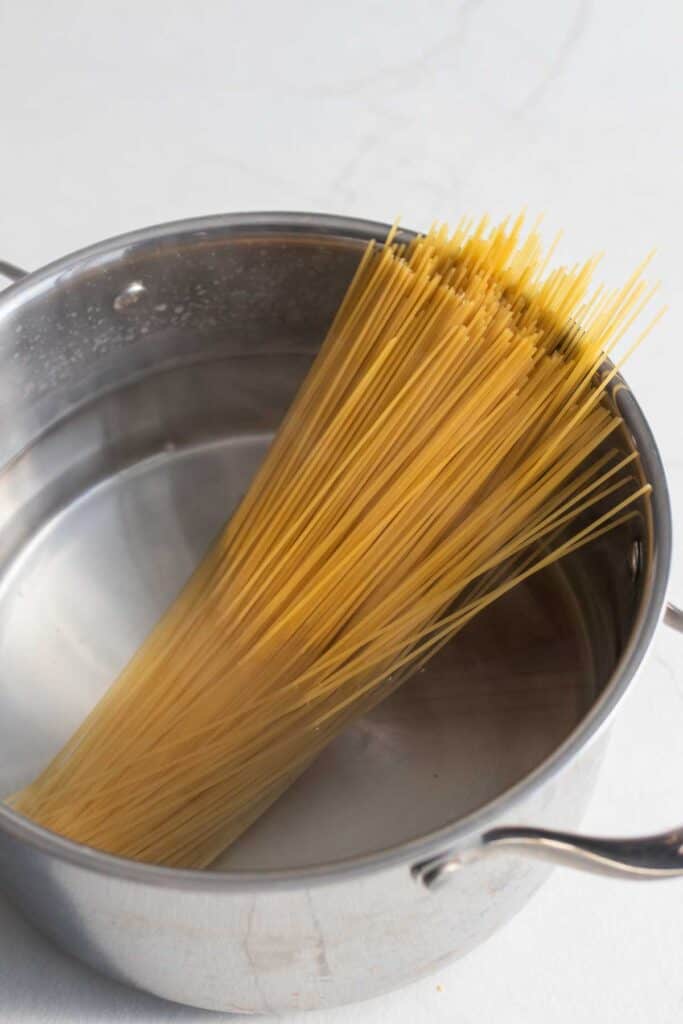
10 271
659 856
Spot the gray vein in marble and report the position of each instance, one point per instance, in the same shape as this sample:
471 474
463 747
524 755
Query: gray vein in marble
387 124
449 45
342 186
569 44
261 173
660 660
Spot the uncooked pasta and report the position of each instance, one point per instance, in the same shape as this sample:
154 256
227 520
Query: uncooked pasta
450 439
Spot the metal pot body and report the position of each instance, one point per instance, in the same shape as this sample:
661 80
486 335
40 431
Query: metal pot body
179 339
254 948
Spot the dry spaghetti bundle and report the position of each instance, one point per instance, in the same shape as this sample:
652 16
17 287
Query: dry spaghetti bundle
451 438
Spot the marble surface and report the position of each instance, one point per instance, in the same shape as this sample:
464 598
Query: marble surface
126 114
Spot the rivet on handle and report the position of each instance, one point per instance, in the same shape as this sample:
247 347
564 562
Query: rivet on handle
673 617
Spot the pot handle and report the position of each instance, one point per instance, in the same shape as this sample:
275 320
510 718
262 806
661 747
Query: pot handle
10 271
659 856
673 616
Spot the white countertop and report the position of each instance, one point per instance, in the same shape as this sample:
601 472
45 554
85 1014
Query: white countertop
120 115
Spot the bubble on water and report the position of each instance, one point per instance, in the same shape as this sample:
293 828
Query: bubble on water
130 295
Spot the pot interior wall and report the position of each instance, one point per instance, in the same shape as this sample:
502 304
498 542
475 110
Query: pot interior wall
141 392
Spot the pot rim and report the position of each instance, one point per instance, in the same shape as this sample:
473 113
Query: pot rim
460 832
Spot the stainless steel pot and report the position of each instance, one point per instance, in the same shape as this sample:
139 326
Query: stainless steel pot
141 380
